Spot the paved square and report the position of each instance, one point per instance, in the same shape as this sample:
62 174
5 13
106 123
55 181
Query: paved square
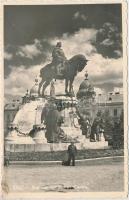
102 177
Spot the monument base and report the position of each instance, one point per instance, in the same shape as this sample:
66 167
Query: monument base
50 147
19 140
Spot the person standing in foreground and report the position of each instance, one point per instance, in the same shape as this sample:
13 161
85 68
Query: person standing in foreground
72 151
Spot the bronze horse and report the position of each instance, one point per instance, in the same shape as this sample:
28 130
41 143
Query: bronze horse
71 68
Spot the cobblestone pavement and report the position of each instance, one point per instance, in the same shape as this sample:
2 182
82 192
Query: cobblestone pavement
88 178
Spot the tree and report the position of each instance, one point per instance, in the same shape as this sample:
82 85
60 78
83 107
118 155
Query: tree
108 125
120 132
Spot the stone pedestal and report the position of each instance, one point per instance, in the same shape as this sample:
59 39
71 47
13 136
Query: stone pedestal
14 136
39 135
70 124
94 145
24 140
11 137
74 134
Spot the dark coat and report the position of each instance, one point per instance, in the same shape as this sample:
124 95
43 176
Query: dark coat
58 55
72 150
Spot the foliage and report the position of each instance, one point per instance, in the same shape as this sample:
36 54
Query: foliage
108 125
118 133
60 155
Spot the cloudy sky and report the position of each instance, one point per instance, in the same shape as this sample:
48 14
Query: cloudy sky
30 33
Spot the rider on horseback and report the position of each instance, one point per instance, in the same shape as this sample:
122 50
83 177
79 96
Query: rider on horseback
58 58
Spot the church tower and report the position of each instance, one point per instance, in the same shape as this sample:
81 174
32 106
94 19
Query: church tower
86 100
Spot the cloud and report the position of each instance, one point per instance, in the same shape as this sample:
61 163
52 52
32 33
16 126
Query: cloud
8 56
78 15
20 79
30 50
118 53
104 73
78 43
109 41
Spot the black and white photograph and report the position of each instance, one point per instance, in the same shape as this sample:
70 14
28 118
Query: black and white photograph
65 103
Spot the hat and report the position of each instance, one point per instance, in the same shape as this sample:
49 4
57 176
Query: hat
58 44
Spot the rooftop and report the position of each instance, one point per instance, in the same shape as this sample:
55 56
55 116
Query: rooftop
12 106
110 98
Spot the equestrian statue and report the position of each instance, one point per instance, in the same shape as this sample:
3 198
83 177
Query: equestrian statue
60 68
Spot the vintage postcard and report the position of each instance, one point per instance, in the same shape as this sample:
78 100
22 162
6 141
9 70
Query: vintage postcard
64 88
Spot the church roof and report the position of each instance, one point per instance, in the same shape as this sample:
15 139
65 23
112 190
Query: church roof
34 89
86 89
86 83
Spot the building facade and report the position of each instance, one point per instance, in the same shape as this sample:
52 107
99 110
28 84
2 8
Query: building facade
112 103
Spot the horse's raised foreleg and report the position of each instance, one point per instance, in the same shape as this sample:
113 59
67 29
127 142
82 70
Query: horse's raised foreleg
45 86
40 85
